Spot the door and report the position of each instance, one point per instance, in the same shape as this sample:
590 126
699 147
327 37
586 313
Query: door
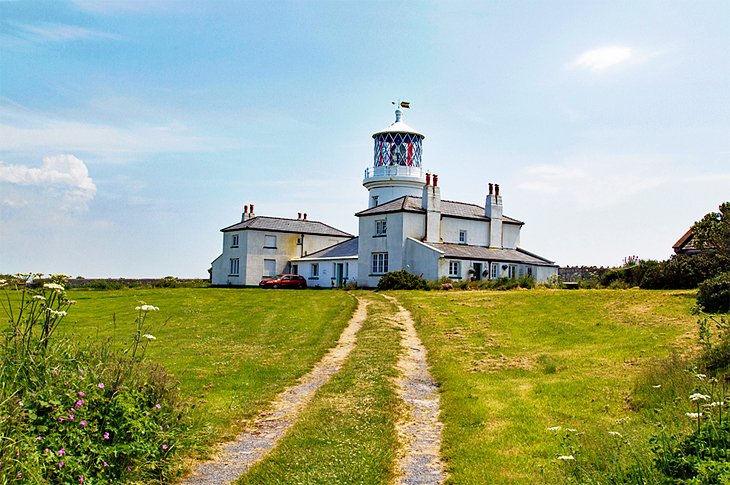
477 271
339 274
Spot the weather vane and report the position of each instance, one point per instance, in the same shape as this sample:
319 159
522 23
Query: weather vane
402 104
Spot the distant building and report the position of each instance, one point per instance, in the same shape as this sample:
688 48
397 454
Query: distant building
405 227
685 244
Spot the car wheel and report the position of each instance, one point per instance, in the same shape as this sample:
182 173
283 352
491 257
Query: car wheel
275 287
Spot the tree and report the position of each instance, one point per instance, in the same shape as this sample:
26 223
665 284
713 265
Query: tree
712 232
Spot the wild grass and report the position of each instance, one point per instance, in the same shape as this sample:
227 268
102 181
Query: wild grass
231 350
511 365
347 434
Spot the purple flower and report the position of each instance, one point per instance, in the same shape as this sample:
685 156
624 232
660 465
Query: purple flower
158 406
62 419
62 451
83 422
60 464
79 403
71 417
106 435
81 478
100 385
106 464
81 393
164 447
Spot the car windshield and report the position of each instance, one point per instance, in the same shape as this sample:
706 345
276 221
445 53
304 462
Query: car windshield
279 276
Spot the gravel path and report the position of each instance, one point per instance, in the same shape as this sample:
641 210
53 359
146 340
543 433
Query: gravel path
420 431
260 438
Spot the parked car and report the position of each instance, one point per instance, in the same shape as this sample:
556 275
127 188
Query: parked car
284 281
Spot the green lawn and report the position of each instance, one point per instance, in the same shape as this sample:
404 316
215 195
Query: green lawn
512 364
232 350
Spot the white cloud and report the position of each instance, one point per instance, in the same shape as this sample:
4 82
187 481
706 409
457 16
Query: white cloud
603 58
62 178
47 32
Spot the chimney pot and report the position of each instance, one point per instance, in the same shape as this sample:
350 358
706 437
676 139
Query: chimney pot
496 190
245 209
428 179
299 216
251 209
305 216
491 188
435 180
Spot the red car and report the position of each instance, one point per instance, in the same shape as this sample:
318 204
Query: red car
284 281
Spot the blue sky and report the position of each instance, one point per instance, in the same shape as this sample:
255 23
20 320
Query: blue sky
131 132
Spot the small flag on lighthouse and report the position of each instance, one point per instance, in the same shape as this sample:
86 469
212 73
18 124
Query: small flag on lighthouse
405 104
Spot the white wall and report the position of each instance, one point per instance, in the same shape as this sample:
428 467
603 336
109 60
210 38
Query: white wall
510 235
477 232
327 271
422 260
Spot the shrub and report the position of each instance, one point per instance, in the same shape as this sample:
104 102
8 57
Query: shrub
402 280
714 294
683 271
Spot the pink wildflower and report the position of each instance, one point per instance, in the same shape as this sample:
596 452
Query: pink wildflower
79 403
158 406
83 422
106 464
71 417
164 447
62 451
100 385
46 450
106 435
81 393
81 478
62 419
60 464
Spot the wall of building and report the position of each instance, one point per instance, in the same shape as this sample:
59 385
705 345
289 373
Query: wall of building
327 271
477 232
421 260
511 235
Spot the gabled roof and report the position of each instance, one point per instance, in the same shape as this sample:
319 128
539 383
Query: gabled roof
277 224
345 249
685 243
409 203
465 251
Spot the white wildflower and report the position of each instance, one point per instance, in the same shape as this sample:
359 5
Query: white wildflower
716 404
149 337
697 396
700 376
57 313
53 286
693 415
39 297
3 282
657 386
571 430
566 457
615 433
147 308
555 428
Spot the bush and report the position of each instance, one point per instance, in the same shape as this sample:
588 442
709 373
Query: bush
683 271
402 280
714 294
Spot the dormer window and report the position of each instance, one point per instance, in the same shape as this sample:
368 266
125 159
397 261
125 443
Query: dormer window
462 237
380 227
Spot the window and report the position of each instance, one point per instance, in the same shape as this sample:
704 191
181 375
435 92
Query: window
529 271
314 270
462 237
380 263
234 267
455 269
234 241
512 270
380 227
375 200
495 270
270 242
269 267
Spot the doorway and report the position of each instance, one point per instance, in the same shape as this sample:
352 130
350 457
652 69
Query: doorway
477 271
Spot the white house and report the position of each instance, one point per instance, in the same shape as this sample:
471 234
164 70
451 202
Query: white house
405 227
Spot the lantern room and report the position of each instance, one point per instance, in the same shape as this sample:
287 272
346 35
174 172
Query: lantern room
396 169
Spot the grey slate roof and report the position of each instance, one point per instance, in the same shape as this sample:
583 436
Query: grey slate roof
464 251
409 203
277 224
345 249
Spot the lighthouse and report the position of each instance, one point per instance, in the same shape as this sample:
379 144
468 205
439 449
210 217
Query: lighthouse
397 169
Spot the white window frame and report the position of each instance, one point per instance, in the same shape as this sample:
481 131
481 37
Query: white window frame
454 269
381 227
234 267
462 240
379 263
268 239
494 271
512 271
314 271
234 240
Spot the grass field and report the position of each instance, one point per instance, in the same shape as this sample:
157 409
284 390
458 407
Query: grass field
512 364
509 364
231 350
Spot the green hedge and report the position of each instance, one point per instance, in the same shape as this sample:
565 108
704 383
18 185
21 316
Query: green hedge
714 294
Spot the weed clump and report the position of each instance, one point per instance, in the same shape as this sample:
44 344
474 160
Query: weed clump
402 280
73 414
714 294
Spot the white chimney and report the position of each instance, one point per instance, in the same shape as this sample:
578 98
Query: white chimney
247 214
431 203
493 211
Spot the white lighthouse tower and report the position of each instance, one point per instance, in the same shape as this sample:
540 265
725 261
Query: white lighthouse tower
396 169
